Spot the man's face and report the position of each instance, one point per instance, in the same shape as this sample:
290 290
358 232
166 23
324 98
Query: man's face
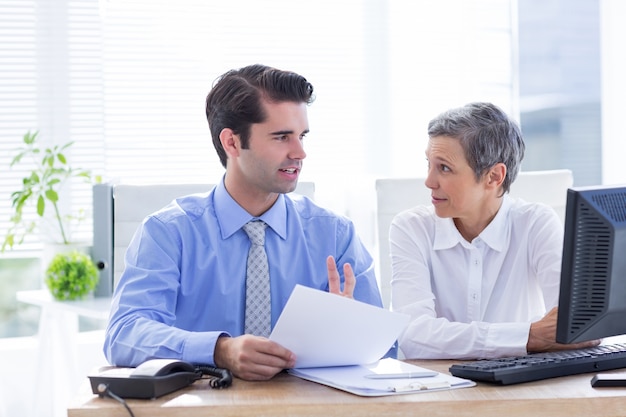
273 160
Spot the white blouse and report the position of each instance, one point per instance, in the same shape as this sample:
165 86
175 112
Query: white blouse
476 299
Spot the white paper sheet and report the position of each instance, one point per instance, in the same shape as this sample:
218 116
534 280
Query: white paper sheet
325 329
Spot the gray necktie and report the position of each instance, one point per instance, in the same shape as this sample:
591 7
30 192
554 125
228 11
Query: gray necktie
258 319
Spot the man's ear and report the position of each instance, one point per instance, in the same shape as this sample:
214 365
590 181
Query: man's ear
496 175
230 142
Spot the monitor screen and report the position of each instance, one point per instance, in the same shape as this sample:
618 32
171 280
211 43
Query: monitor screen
592 300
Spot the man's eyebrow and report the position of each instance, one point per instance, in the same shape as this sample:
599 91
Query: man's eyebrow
287 132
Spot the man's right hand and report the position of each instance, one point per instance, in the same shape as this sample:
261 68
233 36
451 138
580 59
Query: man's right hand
542 336
252 357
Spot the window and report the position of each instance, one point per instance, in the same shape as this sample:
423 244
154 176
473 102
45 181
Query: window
560 87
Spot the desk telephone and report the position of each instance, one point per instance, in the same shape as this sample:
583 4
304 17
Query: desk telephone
154 378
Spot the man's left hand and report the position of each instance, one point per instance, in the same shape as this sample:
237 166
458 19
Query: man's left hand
334 281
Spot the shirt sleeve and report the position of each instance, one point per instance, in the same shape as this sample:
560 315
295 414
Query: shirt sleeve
429 336
142 321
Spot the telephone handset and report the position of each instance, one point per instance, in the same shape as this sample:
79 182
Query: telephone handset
155 377
162 367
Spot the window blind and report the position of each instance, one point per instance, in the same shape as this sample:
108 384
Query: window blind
18 93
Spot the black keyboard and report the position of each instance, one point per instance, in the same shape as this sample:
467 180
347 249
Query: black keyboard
536 366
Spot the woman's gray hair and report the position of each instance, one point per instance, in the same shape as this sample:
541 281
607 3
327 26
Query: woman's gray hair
487 135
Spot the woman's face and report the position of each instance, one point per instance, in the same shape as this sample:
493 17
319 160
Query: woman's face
455 191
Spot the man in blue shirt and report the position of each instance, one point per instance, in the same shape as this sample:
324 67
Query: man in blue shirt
182 293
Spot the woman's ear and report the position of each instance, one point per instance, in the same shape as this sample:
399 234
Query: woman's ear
230 142
496 175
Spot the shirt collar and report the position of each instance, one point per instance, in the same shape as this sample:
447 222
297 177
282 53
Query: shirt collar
231 216
447 235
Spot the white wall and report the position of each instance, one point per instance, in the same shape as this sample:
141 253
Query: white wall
444 54
613 33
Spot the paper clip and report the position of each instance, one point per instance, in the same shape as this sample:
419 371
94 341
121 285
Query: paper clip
420 386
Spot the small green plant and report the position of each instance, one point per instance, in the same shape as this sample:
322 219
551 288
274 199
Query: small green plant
41 187
71 275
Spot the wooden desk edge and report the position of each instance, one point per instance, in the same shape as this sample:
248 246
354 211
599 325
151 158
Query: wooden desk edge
286 395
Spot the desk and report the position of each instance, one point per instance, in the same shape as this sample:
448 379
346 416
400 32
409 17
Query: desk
58 328
286 395
97 308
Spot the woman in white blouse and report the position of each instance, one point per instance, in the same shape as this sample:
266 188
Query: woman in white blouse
478 271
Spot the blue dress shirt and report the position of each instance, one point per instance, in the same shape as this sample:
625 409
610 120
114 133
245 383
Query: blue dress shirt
184 281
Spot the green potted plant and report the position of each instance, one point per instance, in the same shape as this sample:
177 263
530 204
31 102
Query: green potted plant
41 188
67 275
71 276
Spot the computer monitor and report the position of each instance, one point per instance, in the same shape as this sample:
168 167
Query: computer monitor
592 300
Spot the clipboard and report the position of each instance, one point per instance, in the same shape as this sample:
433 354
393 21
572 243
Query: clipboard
354 379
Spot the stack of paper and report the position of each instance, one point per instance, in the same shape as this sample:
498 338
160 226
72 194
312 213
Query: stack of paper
339 342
